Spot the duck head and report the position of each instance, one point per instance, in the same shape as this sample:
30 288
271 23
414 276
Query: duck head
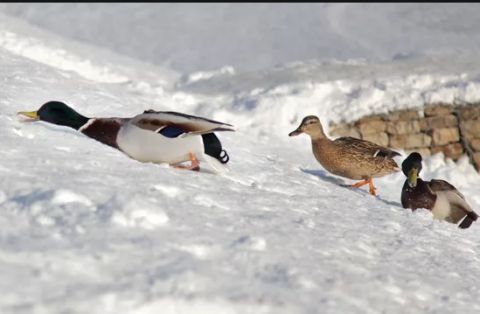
411 168
310 125
56 112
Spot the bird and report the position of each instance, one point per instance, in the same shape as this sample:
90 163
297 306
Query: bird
152 136
348 157
440 197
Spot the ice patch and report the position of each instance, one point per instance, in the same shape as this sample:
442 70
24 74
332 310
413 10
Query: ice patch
45 220
3 197
140 213
195 306
205 75
251 243
198 250
66 196
170 191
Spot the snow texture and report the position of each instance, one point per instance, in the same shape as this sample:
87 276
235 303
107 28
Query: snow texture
85 229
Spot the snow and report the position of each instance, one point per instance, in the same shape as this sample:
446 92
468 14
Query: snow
253 36
85 229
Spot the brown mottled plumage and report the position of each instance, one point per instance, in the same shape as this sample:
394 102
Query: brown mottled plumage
347 156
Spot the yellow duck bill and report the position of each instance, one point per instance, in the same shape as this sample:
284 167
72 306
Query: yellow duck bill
29 114
412 177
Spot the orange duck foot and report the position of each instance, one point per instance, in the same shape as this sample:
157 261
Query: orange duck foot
195 164
370 184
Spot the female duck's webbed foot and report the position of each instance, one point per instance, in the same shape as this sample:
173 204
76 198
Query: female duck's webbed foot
195 164
370 184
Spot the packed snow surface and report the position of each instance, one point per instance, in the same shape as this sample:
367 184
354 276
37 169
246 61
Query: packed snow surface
252 36
85 229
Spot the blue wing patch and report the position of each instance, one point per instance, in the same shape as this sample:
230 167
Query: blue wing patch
171 131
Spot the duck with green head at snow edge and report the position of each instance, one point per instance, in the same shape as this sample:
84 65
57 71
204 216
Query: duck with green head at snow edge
440 197
153 136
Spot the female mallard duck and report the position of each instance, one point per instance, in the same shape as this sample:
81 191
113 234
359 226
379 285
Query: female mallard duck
153 136
440 197
347 156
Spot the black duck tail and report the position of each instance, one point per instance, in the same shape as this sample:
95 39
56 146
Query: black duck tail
466 223
213 148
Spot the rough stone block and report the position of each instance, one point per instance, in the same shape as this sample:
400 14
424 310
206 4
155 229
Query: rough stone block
475 144
476 160
471 128
470 112
375 117
445 136
372 126
344 129
425 152
438 122
403 127
404 115
454 150
377 138
407 141
438 109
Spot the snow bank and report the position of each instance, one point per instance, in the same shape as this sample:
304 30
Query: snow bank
201 37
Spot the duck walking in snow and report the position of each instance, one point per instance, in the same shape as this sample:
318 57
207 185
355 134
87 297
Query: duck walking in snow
347 156
440 197
153 136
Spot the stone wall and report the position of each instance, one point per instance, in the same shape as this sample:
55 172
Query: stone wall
453 130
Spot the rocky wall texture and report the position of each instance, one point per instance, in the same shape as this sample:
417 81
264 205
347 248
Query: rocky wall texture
439 127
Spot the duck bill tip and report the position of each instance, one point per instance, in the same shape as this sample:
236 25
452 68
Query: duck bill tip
295 133
30 115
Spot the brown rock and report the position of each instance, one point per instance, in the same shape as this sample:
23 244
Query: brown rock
425 152
404 115
377 138
340 129
406 141
438 109
471 128
403 127
353 132
475 144
438 122
373 126
476 160
375 117
445 136
453 151
470 112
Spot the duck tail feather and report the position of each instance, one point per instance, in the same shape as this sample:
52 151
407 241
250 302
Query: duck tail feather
466 222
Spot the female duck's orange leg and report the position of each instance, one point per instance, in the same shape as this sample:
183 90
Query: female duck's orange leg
370 184
195 164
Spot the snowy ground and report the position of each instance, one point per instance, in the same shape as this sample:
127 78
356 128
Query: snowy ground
85 229
252 36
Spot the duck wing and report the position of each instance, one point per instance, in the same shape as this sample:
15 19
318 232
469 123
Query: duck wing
175 124
459 206
442 185
353 145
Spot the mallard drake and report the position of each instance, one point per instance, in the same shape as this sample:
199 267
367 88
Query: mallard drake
153 136
440 197
348 157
